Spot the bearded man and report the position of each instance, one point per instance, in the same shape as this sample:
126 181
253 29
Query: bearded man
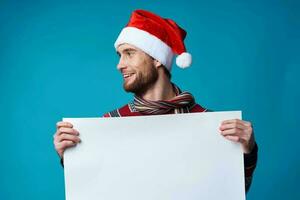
146 47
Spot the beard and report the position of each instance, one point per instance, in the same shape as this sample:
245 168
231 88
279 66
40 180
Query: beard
142 82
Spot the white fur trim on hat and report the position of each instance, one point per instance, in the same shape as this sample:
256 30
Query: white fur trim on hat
148 43
184 60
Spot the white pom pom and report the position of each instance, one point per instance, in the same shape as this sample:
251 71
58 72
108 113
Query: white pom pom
184 60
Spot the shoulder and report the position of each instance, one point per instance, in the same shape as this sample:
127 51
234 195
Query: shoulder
124 111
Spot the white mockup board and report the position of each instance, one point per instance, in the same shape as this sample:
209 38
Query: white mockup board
162 157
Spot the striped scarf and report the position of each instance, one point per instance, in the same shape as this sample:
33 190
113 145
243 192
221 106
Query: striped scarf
183 102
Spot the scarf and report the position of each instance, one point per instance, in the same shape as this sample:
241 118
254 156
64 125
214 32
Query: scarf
183 102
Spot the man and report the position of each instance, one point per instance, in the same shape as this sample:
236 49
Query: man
146 47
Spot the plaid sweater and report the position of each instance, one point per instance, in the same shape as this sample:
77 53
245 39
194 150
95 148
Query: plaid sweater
250 159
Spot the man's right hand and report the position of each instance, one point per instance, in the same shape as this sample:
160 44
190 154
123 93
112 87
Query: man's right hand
65 137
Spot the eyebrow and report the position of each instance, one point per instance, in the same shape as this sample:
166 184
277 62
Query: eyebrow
127 50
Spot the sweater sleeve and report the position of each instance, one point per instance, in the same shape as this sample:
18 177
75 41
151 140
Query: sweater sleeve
250 161
62 162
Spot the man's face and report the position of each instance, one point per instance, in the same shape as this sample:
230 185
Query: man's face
138 69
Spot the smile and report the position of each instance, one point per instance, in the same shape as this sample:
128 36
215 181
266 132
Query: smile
127 75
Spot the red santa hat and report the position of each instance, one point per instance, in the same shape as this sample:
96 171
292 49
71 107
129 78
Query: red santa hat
158 37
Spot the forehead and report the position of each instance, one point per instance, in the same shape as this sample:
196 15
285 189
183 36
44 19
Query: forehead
125 46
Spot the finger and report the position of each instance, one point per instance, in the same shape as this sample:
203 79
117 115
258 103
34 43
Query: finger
65 144
63 124
246 123
232 138
232 125
63 130
237 138
67 130
233 131
70 137
237 121
231 121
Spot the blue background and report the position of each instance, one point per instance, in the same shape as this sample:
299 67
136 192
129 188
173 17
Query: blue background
57 60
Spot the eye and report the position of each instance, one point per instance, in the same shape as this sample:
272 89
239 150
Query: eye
130 53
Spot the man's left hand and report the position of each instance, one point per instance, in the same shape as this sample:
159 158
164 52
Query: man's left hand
241 131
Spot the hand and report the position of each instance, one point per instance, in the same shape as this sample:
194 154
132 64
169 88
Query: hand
65 137
241 131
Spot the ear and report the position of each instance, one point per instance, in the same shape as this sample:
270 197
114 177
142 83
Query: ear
157 64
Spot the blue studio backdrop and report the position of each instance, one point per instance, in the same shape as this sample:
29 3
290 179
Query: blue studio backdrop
57 60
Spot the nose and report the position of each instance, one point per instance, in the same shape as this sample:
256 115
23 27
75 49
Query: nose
121 65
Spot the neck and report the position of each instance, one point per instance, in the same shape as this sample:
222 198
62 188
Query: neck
162 89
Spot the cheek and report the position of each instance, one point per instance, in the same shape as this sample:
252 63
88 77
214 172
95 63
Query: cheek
134 63
141 60
147 65
141 64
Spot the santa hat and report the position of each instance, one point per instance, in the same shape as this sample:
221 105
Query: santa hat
158 37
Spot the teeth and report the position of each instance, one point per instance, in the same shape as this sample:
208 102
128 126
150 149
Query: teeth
126 75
